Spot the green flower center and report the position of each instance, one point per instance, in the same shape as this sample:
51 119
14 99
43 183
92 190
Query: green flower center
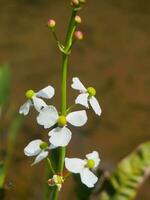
90 164
91 91
29 94
62 121
43 145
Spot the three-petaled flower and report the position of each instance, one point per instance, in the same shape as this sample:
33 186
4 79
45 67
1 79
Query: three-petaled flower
84 167
86 96
61 135
34 98
39 149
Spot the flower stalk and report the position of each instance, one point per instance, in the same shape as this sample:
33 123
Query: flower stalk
65 57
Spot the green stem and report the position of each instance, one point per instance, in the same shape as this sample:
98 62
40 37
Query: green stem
55 193
68 44
50 166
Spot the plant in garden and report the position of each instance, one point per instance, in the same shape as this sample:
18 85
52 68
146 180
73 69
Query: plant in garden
56 121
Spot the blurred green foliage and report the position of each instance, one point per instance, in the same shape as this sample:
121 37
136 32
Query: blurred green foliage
12 128
128 176
2 175
5 79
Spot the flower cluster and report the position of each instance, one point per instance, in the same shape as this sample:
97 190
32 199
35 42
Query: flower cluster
59 133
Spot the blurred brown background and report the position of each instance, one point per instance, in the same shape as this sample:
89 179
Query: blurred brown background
114 57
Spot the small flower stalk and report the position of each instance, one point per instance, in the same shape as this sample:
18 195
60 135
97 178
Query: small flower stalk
55 122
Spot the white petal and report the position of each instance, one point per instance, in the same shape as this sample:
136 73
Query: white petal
82 99
33 148
74 165
77 85
88 178
47 117
38 103
77 118
95 105
47 92
60 137
94 156
24 109
40 157
59 186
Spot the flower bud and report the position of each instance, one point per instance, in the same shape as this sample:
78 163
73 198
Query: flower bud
82 1
78 35
78 19
51 23
75 2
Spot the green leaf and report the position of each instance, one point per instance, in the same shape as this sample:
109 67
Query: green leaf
2 175
12 134
4 85
130 173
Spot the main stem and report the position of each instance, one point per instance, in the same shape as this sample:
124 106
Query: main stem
65 56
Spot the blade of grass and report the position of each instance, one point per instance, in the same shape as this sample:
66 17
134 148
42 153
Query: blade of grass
5 78
2 175
12 134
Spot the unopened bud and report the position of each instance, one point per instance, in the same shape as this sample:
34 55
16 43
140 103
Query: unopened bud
78 19
78 35
51 23
75 2
82 1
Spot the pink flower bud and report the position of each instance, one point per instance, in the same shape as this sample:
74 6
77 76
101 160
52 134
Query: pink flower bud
51 23
78 35
75 2
78 19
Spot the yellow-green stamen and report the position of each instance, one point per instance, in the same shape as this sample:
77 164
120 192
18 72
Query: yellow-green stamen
90 164
29 94
43 145
62 121
91 91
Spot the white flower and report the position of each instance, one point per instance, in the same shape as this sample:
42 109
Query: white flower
39 149
84 167
86 96
56 180
34 98
61 135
